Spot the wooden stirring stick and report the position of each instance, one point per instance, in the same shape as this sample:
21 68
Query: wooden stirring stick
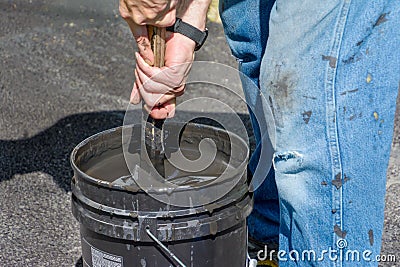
153 128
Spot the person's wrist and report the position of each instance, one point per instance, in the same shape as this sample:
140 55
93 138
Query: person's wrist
185 42
191 32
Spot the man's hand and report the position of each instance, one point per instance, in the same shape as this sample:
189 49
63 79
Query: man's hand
161 13
158 87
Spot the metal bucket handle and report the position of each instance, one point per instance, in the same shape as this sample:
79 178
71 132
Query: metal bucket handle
249 262
163 247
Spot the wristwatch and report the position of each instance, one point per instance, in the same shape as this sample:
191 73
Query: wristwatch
198 36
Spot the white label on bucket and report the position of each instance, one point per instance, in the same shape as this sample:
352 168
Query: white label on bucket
102 259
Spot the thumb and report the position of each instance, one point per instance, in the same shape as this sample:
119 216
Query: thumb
142 39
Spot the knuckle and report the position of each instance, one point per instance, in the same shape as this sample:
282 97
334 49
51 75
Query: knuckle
142 41
176 84
124 12
139 20
169 19
180 90
151 17
161 8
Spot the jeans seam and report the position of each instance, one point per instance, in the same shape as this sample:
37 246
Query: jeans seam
332 127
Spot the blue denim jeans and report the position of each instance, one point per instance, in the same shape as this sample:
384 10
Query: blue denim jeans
330 71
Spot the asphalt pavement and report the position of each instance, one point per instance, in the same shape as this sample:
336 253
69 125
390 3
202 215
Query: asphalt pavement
66 73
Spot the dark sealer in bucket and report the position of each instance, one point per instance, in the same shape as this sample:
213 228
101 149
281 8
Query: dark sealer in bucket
122 225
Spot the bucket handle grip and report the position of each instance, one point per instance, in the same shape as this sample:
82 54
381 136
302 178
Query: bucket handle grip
163 247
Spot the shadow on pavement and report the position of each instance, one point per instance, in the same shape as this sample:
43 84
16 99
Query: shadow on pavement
49 151
79 263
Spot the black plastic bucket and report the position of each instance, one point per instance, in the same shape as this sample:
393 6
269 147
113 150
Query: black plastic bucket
122 225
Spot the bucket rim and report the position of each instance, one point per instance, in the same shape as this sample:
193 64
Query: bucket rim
108 184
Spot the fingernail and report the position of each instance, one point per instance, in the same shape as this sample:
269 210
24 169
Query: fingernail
137 55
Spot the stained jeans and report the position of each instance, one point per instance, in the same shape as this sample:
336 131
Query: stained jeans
330 71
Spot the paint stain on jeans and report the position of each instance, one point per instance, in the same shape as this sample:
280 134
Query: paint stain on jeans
337 182
281 87
357 55
310 97
332 60
369 78
371 237
283 84
349 91
352 59
306 116
376 115
338 231
382 19
281 90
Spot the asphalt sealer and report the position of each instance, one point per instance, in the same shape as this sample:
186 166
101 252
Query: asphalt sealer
129 218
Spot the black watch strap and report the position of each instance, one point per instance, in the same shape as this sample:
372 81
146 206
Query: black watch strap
198 36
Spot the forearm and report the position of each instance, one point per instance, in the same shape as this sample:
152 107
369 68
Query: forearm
193 12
